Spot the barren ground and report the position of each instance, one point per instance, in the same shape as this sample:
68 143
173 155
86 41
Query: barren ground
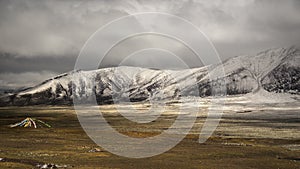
257 137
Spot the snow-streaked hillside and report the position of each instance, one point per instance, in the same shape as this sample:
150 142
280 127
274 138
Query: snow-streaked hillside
274 70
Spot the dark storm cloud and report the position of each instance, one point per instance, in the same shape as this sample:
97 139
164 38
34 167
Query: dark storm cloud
48 35
17 64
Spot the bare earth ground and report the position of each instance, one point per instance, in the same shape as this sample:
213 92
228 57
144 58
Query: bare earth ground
256 137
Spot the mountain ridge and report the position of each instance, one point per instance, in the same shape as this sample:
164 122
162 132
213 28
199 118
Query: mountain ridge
273 70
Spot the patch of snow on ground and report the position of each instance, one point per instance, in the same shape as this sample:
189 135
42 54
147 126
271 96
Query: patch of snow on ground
263 96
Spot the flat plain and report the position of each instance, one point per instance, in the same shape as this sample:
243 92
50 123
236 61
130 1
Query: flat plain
248 136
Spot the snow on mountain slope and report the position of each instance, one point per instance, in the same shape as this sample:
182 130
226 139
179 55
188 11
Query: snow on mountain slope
285 78
274 70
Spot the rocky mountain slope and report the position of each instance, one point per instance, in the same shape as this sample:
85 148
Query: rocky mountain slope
275 70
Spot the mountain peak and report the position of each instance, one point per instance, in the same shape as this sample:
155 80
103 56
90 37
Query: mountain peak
279 51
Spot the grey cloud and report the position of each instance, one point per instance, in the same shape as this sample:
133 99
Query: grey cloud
18 64
51 28
60 28
48 35
27 79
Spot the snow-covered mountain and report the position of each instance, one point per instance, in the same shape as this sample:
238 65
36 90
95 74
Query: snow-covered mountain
275 70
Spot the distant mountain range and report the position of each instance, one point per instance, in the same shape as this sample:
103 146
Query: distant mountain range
274 70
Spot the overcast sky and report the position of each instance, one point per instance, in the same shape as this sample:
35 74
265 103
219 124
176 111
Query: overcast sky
39 39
